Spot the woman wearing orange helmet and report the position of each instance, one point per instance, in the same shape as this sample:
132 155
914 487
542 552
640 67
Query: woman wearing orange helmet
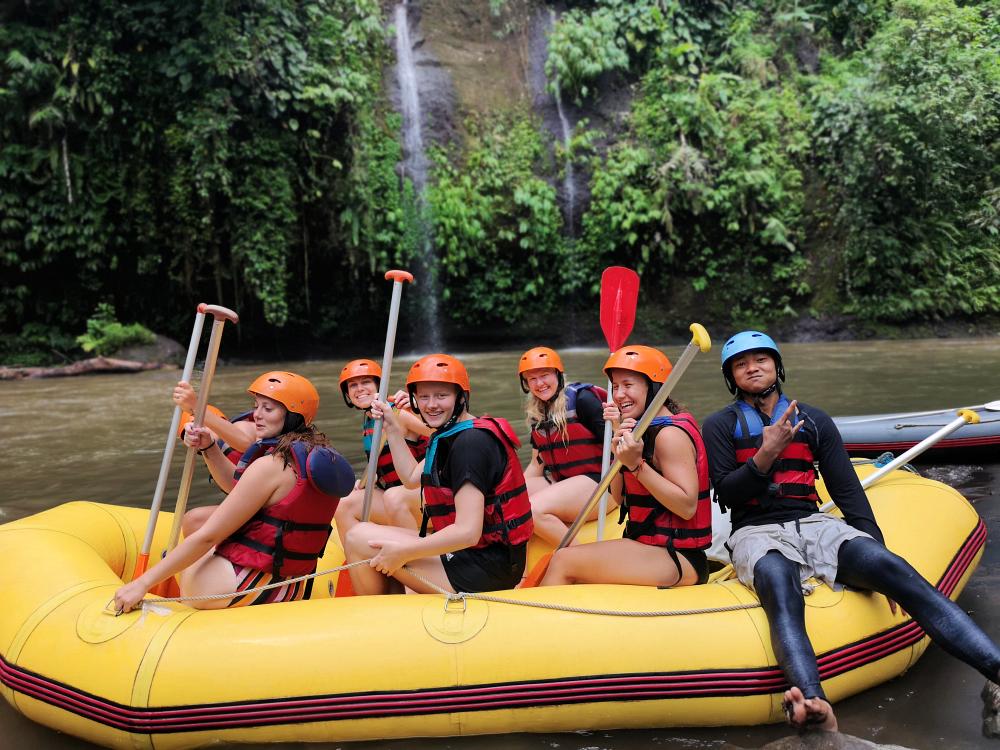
275 522
663 489
392 503
567 438
235 436
473 492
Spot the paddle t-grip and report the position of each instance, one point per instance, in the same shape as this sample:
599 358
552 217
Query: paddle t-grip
219 313
398 275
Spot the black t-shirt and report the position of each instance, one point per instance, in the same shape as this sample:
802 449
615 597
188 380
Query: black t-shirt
737 483
590 411
474 456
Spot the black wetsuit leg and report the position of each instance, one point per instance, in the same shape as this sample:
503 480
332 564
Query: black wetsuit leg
776 579
865 564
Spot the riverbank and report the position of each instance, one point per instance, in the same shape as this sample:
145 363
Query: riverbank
565 329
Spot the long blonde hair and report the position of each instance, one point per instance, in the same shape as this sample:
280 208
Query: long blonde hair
553 412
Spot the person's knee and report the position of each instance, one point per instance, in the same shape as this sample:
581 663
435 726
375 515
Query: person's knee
561 566
356 540
194 519
350 506
777 582
396 500
868 561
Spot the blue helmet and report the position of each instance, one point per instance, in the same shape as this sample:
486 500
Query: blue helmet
748 341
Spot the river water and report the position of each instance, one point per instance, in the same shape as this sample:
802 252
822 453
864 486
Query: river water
101 438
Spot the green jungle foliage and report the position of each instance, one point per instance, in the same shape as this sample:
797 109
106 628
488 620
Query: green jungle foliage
497 226
778 158
105 335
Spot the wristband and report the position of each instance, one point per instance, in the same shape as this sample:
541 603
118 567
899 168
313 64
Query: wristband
638 466
206 449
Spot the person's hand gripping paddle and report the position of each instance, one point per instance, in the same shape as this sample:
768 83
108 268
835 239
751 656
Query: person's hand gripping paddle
700 341
619 293
397 278
168 452
221 315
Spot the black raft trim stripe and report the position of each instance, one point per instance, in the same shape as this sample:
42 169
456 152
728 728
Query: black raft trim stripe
486 697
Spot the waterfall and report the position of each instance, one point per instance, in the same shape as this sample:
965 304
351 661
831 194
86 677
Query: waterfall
416 168
569 185
558 117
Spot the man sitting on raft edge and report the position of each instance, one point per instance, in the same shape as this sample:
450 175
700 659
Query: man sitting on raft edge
761 453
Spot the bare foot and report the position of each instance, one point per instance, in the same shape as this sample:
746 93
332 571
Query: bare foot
808 714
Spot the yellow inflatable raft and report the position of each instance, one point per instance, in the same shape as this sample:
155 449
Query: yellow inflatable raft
412 666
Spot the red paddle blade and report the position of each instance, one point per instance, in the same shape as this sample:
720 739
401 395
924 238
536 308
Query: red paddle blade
619 293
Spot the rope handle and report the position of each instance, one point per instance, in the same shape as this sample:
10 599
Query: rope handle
450 597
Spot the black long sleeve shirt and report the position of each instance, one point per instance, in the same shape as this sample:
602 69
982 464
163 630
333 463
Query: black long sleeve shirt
738 483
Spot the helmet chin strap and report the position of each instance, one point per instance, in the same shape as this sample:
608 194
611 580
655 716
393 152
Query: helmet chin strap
759 398
460 405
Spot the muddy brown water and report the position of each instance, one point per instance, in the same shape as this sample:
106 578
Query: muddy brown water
101 438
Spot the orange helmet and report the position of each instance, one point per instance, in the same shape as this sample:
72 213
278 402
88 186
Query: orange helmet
187 418
359 368
292 391
438 368
643 359
540 356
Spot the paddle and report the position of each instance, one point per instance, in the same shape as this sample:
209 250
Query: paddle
700 341
965 416
397 277
619 292
168 452
221 315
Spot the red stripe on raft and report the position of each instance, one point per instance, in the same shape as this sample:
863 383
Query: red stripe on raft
585 689
890 445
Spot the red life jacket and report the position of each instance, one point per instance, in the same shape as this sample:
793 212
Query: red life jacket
581 452
649 521
385 470
285 539
507 516
793 474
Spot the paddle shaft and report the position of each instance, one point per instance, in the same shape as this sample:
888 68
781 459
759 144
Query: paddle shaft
383 386
637 432
602 506
965 417
211 357
168 452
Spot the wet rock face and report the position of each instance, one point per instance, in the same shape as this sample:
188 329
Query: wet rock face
433 80
162 351
991 710
822 741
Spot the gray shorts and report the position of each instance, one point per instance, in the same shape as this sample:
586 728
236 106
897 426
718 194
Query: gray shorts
813 542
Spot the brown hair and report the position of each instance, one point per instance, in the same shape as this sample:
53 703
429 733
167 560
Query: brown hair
307 434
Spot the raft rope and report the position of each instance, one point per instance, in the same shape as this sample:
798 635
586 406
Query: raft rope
464 596
459 597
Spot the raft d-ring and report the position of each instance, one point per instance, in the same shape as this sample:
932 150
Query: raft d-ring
456 598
